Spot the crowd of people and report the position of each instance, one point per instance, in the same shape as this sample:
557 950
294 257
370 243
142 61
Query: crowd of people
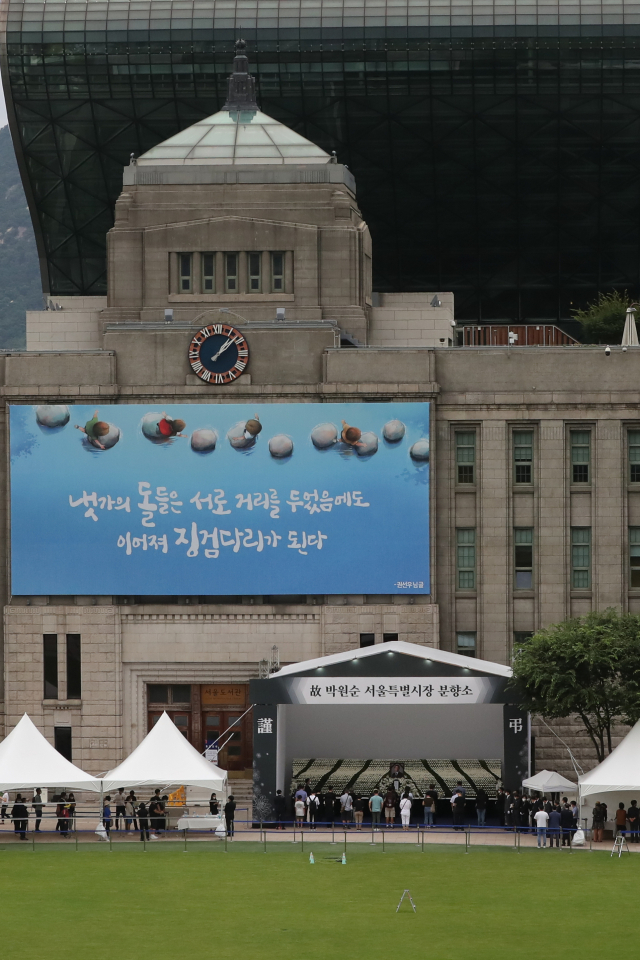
314 806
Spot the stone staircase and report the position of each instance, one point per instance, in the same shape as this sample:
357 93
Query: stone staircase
242 791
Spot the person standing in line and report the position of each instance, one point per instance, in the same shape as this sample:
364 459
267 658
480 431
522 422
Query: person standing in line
501 799
461 789
59 811
163 811
130 814
358 811
214 806
621 820
20 817
458 804
155 815
346 807
5 806
597 823
312 809
330 806
566 819
633 816
431 793
575 812
389 808
143 820
375 806
120 802
555 826
405 809
71 807
299 808
37 804
280 810
106 814
482 799
301 793
542 819
230 816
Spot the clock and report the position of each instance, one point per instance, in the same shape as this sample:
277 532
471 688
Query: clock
218 353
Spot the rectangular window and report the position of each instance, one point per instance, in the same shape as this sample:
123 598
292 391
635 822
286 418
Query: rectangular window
255 273
367 639
158 693
277 272
580 456
181 693
62 741
523 550
388 637
50 652
231 272
466 456
634 556
521 636
466 558
186 272
523 455
74 667
633 439
208 272
466 644
581 557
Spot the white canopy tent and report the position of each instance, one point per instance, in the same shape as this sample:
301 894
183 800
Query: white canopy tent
618 774
548 781
165 758
630 333
27 760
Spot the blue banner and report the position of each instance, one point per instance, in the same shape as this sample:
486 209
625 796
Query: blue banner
220 499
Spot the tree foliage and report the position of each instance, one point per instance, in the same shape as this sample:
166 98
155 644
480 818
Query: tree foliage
603 320
587 667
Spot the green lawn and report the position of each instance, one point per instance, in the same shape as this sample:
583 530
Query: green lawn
94 904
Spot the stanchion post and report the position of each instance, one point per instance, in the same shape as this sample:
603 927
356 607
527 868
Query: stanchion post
383 841
518 835
144 842
225 840
184 837
76 839
467 840
423 841
264 840
33 842
345 842
302 840
333 832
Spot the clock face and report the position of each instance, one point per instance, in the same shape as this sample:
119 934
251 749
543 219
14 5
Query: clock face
218 353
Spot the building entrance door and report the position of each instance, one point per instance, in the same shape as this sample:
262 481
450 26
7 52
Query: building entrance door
228 729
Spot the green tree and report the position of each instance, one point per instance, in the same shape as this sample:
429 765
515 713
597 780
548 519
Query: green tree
603 320
587 667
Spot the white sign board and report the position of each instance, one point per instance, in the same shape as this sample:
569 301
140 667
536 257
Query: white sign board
434 690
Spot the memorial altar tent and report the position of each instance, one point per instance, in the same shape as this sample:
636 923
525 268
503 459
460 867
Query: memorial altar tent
392 701
28 760
617 778
165 758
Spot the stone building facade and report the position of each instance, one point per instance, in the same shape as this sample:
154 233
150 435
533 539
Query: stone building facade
535 502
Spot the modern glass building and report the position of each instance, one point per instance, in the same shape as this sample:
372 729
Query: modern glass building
495 145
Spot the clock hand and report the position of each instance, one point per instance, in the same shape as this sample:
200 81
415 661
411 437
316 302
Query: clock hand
225 346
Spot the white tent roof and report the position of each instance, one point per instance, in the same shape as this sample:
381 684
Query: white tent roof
235 137
630 333
620 771
27 760
398 646
165 758
548 781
